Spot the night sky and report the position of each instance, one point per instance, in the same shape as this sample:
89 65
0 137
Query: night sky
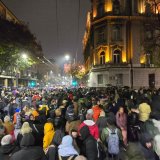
40 15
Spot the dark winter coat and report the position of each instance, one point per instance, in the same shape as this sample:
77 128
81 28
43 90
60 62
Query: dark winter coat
101 123
6 151
89 147
148 152
28 150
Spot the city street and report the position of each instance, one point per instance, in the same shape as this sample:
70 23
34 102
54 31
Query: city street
80 80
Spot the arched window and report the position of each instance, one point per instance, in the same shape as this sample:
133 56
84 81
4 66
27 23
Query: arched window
102 58
117 56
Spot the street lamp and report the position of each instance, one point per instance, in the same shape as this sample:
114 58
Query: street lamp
24 56
67 57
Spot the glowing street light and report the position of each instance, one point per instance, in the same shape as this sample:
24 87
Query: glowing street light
67 57
24 56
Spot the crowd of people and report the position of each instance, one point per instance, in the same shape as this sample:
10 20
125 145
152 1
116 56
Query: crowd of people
80 124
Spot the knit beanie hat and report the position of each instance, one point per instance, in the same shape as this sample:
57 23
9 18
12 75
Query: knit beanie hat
6 140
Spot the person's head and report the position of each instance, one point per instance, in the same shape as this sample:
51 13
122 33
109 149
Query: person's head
6 119
121 109
64 102
74 133
111 121
26 128
102 113
89 115
58 112
84 132
31 117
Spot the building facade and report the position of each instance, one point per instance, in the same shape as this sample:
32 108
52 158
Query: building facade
114 50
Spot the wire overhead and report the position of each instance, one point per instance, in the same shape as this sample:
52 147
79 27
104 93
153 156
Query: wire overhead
77 41
57 25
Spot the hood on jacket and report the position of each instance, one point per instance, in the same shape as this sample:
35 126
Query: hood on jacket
89 122
48 127
84 132
66 148
27 140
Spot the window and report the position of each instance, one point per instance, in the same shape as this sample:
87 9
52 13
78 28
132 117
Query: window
102 58
100 9
117 56
101 35
116 33
100 79
116 7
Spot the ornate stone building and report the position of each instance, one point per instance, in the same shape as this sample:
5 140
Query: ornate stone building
114 53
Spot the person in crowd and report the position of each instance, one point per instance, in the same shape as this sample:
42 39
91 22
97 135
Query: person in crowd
6 148
91 124
144 112
96 109
147 146
89 147
52 152
28 150
48 133
106 138
101 122
37 130
66 149
24 130
2 130
121 121
76 140
8 125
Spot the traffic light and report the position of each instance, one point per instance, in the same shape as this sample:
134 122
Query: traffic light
32 84
74 83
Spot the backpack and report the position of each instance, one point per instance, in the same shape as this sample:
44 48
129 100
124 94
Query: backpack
70 115
113 142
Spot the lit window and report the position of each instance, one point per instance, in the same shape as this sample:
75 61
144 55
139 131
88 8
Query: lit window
102 58
117 56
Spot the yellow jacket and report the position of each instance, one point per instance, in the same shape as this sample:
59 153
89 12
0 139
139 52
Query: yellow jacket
48 135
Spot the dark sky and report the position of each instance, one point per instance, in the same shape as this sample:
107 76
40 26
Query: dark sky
41 17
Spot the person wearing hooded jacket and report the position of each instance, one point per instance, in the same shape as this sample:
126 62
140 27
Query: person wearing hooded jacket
146 142
28 150
48 134
6 148
93 128
89 147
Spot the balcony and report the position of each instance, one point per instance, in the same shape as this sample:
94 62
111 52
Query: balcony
110 65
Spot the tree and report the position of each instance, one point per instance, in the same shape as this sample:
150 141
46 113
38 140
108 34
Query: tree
76 70
14 40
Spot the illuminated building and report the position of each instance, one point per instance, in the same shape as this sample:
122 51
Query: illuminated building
112 45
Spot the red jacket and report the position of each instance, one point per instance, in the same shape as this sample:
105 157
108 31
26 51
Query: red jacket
93 128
